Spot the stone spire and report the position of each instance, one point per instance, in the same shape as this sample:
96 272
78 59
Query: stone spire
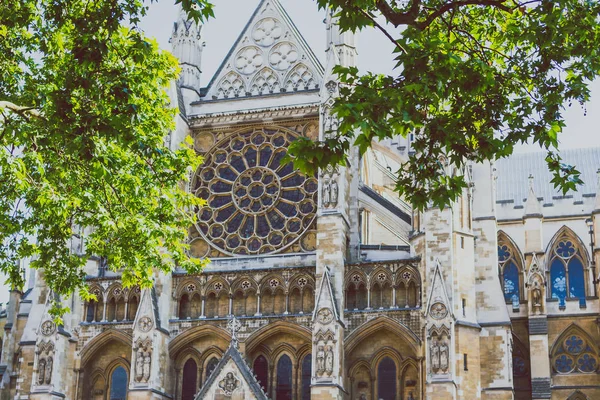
532 206
187 47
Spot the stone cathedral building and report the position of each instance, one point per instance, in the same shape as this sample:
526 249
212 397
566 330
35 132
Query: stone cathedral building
328 286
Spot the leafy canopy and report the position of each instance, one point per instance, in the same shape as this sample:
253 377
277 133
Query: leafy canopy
473 78
84 115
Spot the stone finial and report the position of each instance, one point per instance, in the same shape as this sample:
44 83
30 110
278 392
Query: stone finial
532 206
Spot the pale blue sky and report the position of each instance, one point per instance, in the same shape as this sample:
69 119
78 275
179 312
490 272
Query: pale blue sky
374 50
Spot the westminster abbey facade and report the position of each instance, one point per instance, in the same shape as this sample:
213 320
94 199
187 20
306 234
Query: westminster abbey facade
326 286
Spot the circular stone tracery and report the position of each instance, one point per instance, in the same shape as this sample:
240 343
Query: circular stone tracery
255 205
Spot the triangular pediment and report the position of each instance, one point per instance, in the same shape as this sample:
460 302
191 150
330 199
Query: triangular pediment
325 299
269 57
438 301
232 379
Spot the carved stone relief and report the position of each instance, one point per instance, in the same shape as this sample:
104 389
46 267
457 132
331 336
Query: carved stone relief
45 363
229 384
48 328
438 310
283 56
325 351
330 188
145 324
267 31
143 360
439 352
249 59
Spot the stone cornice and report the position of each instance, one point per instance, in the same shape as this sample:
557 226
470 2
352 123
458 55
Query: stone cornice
270 115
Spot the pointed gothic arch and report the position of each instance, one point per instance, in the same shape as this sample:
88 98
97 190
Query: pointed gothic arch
577 395
567 267
511 269
574 351
376 324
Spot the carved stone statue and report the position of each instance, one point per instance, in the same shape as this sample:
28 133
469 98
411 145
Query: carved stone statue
147 366
320 360
435 356
329 360
139 366
537 296
48 374
326 193
334 192
444 357
41 371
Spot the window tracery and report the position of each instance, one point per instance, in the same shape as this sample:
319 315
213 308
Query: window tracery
255 205
573 353
509 264
567 272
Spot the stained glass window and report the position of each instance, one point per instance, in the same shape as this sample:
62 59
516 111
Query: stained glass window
386 379
118 384
567 274
575 354
306 373
284 378
254 204
558 280
210 367
190 376
510 271
511 282
261 370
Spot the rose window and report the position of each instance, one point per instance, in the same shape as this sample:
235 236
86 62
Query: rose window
249 59
274 283
255 205
356 278
267 31
302 282
283 56
406 275
191 287
381 276
218 286
246 285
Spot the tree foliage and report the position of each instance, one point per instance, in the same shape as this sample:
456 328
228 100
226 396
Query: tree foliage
473 78
84 114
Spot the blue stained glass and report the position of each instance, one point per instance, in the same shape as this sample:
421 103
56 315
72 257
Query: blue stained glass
565 249
563 364
503 253
558 280
511 283
574 344
587 363
118 385
576 279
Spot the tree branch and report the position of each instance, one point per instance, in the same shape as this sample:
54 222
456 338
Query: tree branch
382 29
23 111
397 18
450 6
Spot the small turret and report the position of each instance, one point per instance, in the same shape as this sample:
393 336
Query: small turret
187 47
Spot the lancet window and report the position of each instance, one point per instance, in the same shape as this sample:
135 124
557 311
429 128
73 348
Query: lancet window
386 379
189 385
261 370
567 271
118 384
284 378
510 267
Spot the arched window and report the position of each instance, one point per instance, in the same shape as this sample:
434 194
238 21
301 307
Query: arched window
132 308
567 272
351 297
306 374
511 283
195 306
574 352
279 302
210 367
111 313
211 305
184 307
99 309
412 294
386 379
295 301
239 303
376 296
118 384
510 271
189 386
308 300
261 370
361 296
91 311
251 303
284 379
